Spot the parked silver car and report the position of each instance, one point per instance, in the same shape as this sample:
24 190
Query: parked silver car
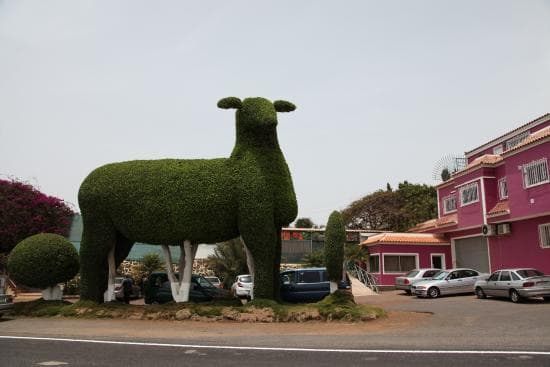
515 284
453 281
413 276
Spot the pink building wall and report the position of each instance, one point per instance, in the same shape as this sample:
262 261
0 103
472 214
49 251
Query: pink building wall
424 257
490 148
526 201
521 248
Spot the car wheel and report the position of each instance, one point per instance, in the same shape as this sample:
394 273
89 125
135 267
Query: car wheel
514 296
433 292
408 292
480 294
546 298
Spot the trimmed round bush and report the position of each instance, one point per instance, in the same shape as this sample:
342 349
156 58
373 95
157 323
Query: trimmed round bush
335 238
43 261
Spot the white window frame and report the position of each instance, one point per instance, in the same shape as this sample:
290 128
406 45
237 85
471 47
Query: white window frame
379 267
445 199
512 142
503 188
539 174
415 254
544 235
499 149
467 187
442 256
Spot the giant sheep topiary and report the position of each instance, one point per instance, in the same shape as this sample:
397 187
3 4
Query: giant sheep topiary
187 202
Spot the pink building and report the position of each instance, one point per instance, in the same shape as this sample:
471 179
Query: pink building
393 254
496 212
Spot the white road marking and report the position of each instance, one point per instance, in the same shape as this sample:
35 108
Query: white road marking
228 347
52 363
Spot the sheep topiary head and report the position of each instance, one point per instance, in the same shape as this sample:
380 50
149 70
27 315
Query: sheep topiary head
254 113
43 260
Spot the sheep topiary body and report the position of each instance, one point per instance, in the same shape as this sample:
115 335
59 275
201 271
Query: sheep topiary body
42 261
171 201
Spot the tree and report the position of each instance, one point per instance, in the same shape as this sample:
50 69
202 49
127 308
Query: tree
396 210
335 238
418 204
25 211
228 261
150 262
379 210
304 223
42 261
315 259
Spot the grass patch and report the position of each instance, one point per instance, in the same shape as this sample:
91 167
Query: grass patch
341 306
338 306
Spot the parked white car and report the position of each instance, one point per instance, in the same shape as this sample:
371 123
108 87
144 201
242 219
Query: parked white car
516 284
452 281
242 286
404 282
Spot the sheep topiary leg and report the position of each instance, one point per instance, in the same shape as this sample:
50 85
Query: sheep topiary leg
260 245
277 267
181 287
98 238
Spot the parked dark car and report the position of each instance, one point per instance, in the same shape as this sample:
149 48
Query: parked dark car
119 291
309 284
157 289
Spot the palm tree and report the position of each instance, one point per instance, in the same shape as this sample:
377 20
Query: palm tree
228 261
151 262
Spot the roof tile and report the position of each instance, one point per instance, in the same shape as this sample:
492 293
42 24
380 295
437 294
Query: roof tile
405 239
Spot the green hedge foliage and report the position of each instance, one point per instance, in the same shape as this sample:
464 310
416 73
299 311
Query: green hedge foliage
43 260
335 238
205 201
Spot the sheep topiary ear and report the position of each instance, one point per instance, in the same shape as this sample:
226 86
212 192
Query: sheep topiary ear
230 102
284 106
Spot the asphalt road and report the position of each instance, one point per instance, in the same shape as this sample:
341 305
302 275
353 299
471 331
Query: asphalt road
64 353
450 331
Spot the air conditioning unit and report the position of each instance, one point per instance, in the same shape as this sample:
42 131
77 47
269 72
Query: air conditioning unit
504 228
488 230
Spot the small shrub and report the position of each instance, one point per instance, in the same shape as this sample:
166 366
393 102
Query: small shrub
43 261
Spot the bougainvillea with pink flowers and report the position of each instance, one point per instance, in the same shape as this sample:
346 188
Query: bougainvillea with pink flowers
25 211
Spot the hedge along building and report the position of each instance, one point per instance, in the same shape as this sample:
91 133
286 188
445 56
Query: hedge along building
248 194
496 211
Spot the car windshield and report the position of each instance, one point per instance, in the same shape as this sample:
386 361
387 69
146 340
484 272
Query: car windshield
204 283
118 280
246 279
212 279
411 274
528 273
441 275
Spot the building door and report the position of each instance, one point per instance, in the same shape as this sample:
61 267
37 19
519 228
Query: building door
472 253
437 262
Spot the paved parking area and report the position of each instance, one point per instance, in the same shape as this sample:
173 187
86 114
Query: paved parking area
464 318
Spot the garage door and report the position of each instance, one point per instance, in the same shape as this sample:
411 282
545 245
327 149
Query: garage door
472 253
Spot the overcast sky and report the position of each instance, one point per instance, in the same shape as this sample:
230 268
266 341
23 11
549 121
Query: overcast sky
383 89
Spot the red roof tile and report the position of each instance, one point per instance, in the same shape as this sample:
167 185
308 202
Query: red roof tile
447 220
501 208
536 136
405 239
